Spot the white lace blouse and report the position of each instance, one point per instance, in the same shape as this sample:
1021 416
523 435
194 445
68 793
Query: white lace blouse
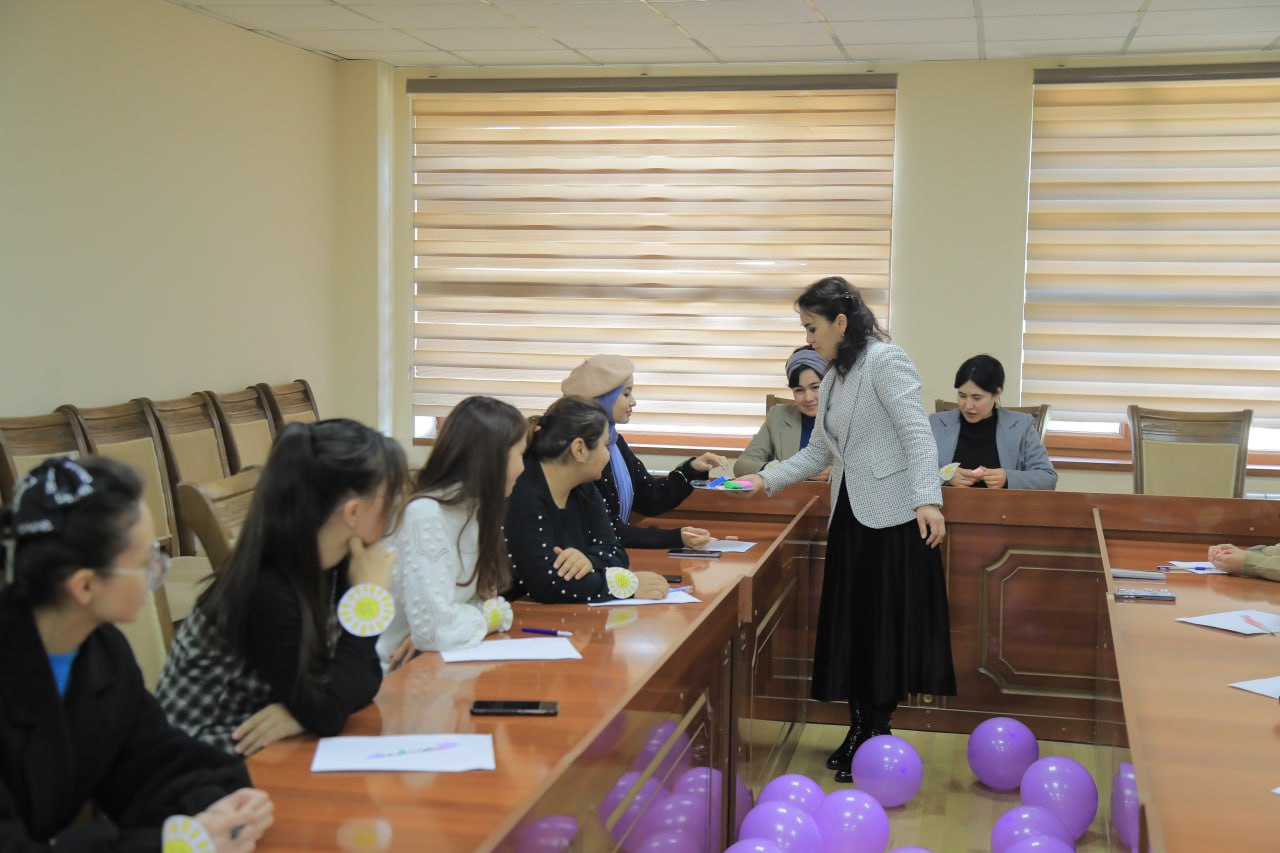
436 547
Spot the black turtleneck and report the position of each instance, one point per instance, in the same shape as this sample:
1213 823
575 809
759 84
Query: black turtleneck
976 447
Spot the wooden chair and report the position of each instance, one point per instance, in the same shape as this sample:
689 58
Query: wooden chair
194 447
1191 454
290 403
248 429
128 433
26 442
1039 414
216 511
150 636
771 400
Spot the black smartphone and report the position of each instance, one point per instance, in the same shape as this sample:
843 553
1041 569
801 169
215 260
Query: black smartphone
692 554
508 708
674 578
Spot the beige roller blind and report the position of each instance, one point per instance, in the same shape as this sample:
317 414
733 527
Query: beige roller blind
1153 256
673 227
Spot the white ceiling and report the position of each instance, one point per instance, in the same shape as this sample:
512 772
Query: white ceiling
507 33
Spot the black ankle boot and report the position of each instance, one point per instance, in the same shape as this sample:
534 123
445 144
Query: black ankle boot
879 721
844 752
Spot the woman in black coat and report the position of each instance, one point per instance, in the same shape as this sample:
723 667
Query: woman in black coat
87 759
625 483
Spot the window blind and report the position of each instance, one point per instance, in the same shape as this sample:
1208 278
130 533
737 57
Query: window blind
674 228
1153 248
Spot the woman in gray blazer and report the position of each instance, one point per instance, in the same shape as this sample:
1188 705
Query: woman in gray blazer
883 626
995 448
787 426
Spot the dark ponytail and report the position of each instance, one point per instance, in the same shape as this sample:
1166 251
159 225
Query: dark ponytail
552 433
829 298
311 470
53 530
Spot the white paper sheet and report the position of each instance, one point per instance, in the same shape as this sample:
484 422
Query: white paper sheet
1238 621
535 648
672 598
731 546
1269 687
405 753
1199 568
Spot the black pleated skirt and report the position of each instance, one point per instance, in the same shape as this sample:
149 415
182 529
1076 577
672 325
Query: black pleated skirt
883 626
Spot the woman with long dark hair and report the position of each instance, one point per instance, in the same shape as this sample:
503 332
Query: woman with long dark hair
79 733
451 559
883 626
561 541
262 656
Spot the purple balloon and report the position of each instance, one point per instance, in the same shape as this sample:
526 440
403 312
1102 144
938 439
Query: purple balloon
742 802
669 842
553 832
1065 788
683 814
699 780
1042 844
1023 822
649 795
910 850
1124 805
795 789
852 822
754 845
1000 751
679 757
889 769
788 826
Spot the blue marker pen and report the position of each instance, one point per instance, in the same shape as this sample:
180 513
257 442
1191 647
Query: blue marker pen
717 481
548 631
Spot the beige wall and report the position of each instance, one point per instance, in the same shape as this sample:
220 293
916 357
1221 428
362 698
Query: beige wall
168 212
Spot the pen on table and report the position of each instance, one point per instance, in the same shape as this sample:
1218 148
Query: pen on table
680 589
1249 620
548 631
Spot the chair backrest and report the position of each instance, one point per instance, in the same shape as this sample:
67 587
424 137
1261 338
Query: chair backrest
771 400
128 433
150 636
1192 454
248 429
289 403
193 445
1039 414
215 512
26 442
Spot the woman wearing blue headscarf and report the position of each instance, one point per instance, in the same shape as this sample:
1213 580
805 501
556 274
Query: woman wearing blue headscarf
625 484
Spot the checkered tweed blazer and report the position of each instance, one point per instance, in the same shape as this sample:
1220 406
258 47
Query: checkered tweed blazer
872 430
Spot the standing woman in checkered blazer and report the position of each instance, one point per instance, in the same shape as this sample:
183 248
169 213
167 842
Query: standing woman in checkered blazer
262 655
883 625
87 759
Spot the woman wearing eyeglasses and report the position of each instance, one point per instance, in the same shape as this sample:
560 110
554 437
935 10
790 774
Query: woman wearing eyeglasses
79 733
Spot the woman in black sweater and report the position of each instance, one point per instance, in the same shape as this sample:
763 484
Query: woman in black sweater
559 538
625 483
77 725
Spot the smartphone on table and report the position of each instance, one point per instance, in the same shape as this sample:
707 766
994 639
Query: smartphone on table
514 708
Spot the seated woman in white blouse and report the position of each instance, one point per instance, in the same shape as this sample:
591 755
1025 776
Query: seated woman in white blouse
994 447
451 561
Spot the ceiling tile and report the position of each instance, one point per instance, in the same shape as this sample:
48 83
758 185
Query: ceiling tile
637 37
1031 27
802 53
601 15
1001 8
907 32
314 17
761 35
716 12
648 56
524 57
893 10
404 57
1214 42
489 40
1054 47
441 15
1212 21
1173 5
339 40
924 50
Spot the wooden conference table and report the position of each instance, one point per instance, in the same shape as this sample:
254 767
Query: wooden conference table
724 683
